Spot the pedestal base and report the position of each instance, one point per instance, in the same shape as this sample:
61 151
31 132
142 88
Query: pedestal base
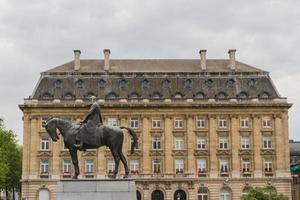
96 189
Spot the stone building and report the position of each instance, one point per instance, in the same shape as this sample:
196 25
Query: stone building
207 128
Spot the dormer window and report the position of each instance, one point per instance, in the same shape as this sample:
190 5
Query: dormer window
199 95
90 95
178 95
68 96
166 84
145 84
123 84
221 95
80 83
156 95
242 95
264 95
58 84
209 83
252 83
101 84
111 95
230 83
188 84
46 96
133 95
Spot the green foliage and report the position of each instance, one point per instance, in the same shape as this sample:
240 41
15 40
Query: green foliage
265 193
10 159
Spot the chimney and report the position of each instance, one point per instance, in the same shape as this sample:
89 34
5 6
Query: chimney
106 59
203 59
231 53
77 59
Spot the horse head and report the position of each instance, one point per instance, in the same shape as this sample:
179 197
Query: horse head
50 127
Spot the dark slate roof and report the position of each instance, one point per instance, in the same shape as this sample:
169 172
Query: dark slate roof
157 79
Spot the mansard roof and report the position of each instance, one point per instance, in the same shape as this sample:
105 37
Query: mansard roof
154 79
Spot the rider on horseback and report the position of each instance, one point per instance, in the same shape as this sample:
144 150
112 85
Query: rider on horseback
88 126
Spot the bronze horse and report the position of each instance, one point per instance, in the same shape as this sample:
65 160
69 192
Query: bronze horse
109 136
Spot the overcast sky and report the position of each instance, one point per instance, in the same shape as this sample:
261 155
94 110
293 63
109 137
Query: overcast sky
37 35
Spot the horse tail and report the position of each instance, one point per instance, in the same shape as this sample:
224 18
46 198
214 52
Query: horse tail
134 136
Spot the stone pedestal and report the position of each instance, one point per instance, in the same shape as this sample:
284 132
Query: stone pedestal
96 189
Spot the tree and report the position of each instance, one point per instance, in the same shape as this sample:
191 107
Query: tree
10 161
263 193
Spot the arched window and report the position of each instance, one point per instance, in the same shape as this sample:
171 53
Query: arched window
46 96
68 96
166 84
156 95
79 83
188 84
179 195
242 95
264 95
221 95
203 193
225 193
178 95
101 84
138 195
157 195
199 95
133 95
111 95
43 194
145 84
58 84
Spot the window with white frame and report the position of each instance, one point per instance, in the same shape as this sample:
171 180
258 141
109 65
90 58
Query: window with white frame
224 166
201 165
112 121
44 166
134 122
135 147
178 123
156 123
268 164
179 165
156 165
201 143
89 166
202 193
225 194
156 143
179 143
44 144
134 166
266 122
245 142
200 123
244 122
246 165
223 142
67 166
222 122
110 166
267 142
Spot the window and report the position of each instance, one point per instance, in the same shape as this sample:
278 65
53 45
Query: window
202 193
44 144
156 143
110 166
200 122
131 142
225 194
266 123
179 165
134 166
156 123
112 121
245 142
224 167
223 143
67 166
89 166
267 142
246 165
178 123
134 122
222 123
244 122
268 164
201 143
201 165
44 166
156 166
179 143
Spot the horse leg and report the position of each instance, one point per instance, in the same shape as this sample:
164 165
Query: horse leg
74 157
117 161
123 159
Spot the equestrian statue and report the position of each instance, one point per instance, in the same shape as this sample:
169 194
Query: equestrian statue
91 133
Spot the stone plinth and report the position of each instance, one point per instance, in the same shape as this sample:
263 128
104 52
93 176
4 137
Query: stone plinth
96 189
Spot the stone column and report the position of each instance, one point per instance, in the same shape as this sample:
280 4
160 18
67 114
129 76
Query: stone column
235 145
34 160
257 144
279 145
146 145
168 145
26 146
285 129
212 135
190 142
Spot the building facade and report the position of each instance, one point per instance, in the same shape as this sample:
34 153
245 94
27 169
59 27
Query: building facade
295 168
207 128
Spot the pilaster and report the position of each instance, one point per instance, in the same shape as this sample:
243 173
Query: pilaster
169 165
257 143
235 144
213 173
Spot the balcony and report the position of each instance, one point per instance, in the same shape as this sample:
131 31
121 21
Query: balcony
66 175
201 152
265 151
202 172
44 175
134 171
246 172
245 152
179 171
268 172
89 175
223 152
224 172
